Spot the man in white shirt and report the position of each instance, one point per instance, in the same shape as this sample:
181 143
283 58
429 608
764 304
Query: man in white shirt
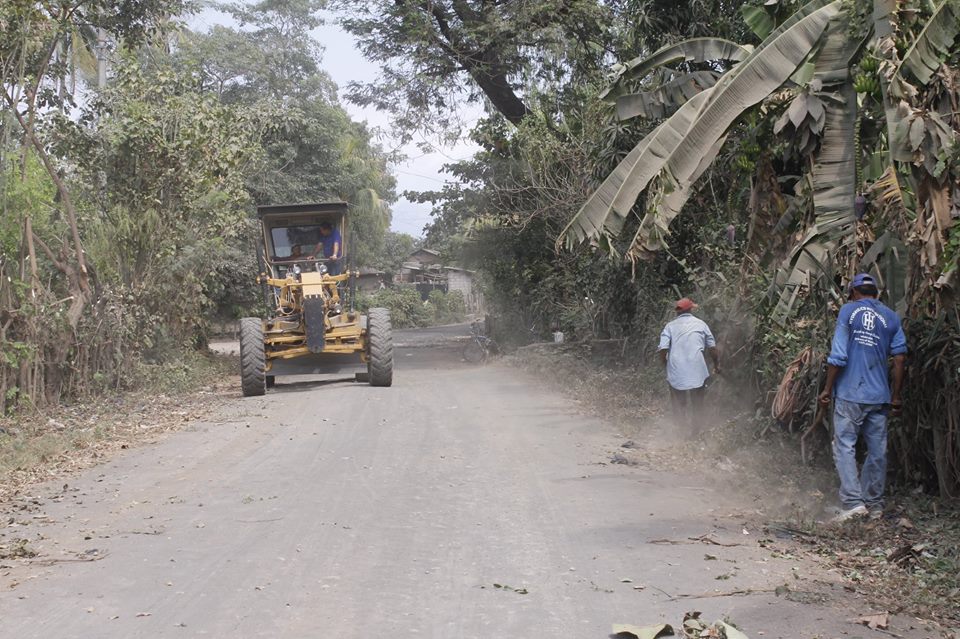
682 343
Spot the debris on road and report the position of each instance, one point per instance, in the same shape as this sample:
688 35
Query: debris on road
880 621
620 459
504 587
692 628
626 631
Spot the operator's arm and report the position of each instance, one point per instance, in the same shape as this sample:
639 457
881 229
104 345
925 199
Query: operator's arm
663 355
336 250
316 250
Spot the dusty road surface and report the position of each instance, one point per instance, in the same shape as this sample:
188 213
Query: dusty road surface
465 501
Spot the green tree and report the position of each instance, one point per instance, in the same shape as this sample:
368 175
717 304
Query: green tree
316 152
34 39
435 56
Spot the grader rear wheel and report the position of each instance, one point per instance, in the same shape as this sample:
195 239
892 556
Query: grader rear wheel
380 347
253 378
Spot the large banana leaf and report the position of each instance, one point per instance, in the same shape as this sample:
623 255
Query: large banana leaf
630 177
747 84
809 262
834 170
932 46
590 220
672 197
667 98
884 16
695 49
757 18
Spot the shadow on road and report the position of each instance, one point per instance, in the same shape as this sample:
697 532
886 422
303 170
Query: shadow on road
308 385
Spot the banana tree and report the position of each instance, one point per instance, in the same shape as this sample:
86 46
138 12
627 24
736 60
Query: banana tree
672 159
813 51
904 62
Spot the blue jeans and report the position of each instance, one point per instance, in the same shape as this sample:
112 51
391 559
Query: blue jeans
850 421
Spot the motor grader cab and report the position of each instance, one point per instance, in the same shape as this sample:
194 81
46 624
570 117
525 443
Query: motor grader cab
313 326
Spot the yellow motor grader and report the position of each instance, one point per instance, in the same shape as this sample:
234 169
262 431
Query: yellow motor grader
314 327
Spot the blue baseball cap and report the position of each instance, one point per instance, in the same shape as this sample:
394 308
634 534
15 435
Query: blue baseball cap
863 279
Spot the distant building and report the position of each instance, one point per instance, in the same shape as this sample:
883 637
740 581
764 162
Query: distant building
371 279
421 267
460 279
424 269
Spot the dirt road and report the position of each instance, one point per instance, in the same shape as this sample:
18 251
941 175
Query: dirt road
463 502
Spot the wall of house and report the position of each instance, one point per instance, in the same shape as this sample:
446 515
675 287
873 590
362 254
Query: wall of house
463 281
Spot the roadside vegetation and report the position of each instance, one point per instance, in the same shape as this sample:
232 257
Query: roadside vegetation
408 309
127 189
753 156
37 446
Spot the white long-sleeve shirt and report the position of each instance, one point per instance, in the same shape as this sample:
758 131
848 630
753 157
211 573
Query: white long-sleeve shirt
685 338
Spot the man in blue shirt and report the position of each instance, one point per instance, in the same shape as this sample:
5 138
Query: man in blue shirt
867 335
331 243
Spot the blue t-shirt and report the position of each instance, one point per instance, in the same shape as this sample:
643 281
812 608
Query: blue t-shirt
867 334
329 240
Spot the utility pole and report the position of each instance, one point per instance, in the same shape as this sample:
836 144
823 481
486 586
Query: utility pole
101 58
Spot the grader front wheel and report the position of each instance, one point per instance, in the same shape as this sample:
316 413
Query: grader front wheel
253 378
380 347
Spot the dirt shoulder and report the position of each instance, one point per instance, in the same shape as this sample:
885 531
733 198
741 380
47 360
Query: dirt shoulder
907 563
48 445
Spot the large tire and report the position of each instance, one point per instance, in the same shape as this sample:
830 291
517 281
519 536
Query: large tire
379 347
253 360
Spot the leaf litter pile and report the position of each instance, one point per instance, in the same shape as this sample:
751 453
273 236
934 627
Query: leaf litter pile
43 446
692 627
906 563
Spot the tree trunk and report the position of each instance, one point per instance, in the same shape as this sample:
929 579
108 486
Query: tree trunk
495 86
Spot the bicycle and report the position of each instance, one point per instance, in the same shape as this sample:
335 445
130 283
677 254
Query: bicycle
480 347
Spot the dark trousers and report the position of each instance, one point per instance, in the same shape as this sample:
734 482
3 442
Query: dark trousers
687 404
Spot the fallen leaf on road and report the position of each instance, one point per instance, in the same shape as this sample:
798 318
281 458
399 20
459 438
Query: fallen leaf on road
646 632
519 591
729 631
875 622
144 614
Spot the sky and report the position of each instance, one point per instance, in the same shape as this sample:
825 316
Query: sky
345 63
